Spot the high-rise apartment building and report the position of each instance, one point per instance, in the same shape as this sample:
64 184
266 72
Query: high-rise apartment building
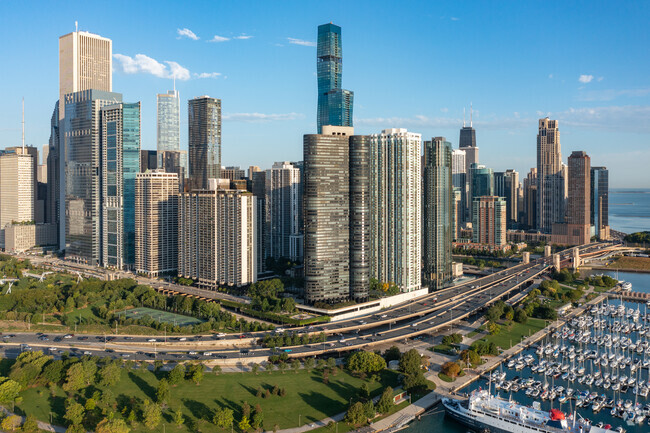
599 217
16 190
334 103
148 160
481 182
506 185
438 213
168 134
336 215
257 180
204 114
156 223
489 221
120 165
284 207
459 180
579 203
172 163
232 173
396 208
82 143
39 199
217 238
550 189
529 214
85 62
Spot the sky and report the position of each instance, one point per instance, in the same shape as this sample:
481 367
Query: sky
411 64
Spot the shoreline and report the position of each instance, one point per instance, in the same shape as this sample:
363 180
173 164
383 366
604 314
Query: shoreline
606 268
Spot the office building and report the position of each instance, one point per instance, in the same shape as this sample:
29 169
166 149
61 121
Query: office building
172 163
16 190
576 229
156 223
217 238
168 115
529 211
599 216
204 118
396 208
85 62
284 207
120 166
334 103
438 213
458 212
506 185
336 215
83 166
148 160
467 143
551 185
489 221
481 182
232 173
459 180
39 198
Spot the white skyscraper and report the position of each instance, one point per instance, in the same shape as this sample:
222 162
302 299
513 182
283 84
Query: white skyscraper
284 209
396 208
16 190
169 123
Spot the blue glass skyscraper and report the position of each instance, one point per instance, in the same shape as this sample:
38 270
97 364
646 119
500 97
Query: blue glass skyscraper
334 103
120 165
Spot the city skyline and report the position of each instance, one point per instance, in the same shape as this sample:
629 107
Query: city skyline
597 94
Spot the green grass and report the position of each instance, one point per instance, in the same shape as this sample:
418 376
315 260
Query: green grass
446 378
445 349
160 316
344 427
475 332
306 396
515 332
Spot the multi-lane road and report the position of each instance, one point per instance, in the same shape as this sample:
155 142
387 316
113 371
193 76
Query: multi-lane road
411 319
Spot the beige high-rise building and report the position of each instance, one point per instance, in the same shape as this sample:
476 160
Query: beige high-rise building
85 62
489 221
156 223
551 187
217 242
16 190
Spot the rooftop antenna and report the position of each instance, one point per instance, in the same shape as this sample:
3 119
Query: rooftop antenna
23 125
174 76
76 26
463 117
471 111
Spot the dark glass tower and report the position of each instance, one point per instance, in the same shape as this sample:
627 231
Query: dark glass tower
204 121
336 215
599 198
334 103
438 213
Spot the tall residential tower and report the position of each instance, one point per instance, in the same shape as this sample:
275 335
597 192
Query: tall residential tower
334 103
169 123
204 122
550 182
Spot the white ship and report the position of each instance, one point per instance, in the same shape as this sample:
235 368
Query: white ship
626 286
485 412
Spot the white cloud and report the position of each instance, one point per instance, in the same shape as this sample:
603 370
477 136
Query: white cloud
610 94
600 79
217 38
302 42
206 75
586 78
244 37
187 33
143 64
261 117
454 18
550 76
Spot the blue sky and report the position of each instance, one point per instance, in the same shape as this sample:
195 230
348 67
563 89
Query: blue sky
411 64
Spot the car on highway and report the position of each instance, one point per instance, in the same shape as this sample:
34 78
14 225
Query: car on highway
87 352
68 336
152 340
192 353
287 350
182 339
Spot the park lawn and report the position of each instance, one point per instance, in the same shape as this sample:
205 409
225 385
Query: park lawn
515 332
84 315
476 331
443 348
306 397
637 263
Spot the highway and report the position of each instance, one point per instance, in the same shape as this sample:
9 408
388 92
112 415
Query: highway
411 319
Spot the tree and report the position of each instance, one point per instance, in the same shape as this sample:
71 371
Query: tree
295 365
9 390
392 354
355 414
179 419
109 374
415 380
11 423
369 409
331 363
223 417
79 375
364 390
385 402
246 409
216 369
410 362
451 369
521 316
244 424
258 420
309 363
162 393
30 425
90 404
470 357
151 414
494 328
74 413
196 373
255 368
366 362
114 425
176 375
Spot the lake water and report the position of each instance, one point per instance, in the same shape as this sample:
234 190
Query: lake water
640 281
629 209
